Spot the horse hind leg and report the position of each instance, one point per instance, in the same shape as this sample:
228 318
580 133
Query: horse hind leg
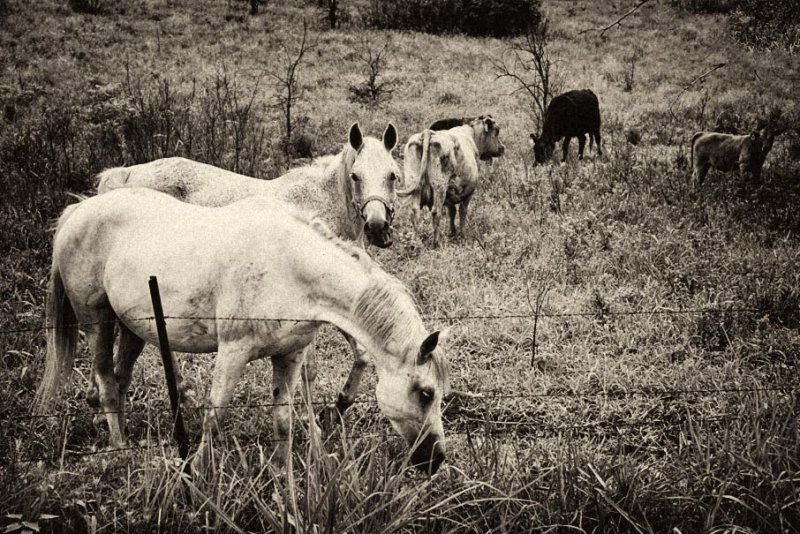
130 347
101 342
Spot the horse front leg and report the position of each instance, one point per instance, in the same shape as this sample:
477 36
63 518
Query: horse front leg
285 376
228 369
348 394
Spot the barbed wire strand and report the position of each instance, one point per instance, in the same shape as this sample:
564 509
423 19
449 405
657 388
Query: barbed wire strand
445 317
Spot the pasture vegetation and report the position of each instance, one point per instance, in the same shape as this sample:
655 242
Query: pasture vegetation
578 427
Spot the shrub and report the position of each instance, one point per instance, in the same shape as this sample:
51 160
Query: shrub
493 18
767 23
759 23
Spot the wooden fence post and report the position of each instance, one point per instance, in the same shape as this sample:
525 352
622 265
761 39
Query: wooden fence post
179 432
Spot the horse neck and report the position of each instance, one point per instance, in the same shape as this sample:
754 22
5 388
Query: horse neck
380 315
338 173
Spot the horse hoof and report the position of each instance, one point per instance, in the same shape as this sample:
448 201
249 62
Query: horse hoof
99 420
188 398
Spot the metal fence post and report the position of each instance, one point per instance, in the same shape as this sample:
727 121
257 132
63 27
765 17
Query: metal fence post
179 432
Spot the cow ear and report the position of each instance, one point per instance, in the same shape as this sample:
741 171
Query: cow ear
355 137
533 139
390 137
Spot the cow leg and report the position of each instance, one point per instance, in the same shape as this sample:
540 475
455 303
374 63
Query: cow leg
596 135
101 341
565 149
699 174
415 215
462 212
581 145
348 394
451 215
130 347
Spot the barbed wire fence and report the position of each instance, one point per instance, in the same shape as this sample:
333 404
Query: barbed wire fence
465 420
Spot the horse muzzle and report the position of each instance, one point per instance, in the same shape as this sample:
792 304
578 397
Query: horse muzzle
377 216
428 455
379 233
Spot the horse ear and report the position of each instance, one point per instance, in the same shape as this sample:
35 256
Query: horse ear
427 348
356 139
390 137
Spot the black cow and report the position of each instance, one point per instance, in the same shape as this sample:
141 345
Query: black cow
571 114
446 124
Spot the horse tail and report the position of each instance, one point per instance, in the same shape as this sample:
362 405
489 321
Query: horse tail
112 178
62 336
425 186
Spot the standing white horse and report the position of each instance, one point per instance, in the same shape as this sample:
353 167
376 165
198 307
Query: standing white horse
353 192
254 259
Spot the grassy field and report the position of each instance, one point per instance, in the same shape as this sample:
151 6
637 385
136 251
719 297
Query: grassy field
632 408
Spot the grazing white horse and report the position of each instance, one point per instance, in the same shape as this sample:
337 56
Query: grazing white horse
353 192
256 259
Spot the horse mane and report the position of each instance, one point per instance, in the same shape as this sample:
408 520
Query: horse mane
387 311
353 251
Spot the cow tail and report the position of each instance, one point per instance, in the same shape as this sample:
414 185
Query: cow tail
695 137
425 186
113 178
62 336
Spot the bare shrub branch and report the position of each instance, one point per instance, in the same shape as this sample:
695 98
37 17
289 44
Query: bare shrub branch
617 22
288 86
530 64
371 90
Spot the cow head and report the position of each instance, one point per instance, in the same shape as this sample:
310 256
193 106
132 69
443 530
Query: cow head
487 137
542 148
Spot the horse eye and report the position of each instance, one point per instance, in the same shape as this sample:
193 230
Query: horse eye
425 396
392 177
354 177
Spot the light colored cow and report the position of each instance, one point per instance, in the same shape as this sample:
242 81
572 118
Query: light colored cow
441 172
485 133
727 152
